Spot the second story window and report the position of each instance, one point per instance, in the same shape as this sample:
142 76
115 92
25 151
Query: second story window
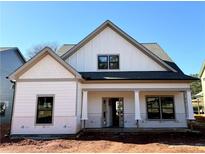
103 62
108 62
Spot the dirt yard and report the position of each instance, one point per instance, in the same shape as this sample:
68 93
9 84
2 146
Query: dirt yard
99 142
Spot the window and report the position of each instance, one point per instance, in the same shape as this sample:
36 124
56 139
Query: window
160 107
102 62
113 62
44 110
153 108
108 62
167 107
2 108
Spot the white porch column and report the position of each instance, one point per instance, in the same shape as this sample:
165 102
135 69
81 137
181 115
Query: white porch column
137 106
85 106
190 114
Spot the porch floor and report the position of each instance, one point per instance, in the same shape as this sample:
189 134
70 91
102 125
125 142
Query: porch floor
135 130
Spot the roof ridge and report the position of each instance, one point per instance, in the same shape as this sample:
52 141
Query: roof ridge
123 34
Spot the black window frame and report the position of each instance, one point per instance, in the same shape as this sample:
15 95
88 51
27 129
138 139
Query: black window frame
153 108
38 109
109 62
161 108
103 62
112 62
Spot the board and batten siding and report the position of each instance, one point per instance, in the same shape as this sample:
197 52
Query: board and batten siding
110 42
95 110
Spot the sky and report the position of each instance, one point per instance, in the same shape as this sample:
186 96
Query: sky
179 27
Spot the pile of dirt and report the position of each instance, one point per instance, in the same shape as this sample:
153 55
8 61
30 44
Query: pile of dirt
108 142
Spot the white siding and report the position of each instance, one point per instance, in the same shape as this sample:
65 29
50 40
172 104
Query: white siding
47 67
95 106
119 86
109 42
95 110
24 113
79 102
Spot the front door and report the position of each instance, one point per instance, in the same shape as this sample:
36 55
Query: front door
113 112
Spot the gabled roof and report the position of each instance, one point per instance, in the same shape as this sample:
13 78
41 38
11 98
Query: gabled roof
202 69
4 49
39 56
64 48
156 49
125 36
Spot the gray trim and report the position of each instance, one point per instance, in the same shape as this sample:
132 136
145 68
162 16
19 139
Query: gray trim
124 35
44 95
14 75
47 80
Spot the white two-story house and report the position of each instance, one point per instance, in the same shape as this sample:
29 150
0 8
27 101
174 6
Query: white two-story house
106 80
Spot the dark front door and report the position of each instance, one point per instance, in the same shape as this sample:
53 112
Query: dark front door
112 112
115 114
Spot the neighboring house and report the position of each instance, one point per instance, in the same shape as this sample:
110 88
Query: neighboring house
202 77
10 59
107 80
198 103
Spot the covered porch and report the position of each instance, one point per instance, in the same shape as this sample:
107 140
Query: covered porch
123 107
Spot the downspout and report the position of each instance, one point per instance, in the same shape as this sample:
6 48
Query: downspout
13 100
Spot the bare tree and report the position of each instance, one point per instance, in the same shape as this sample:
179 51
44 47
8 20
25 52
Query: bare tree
37 48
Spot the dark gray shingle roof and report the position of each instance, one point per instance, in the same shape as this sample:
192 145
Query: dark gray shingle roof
136 75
